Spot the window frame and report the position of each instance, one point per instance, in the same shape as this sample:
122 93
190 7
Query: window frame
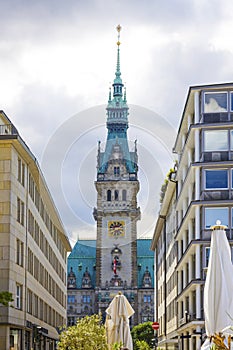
19 252
207 256
217 218
231 101
215 188
18 296
205 133
215 93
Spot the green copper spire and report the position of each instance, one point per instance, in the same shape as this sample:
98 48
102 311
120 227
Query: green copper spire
117 123
117 85
118 70
125 100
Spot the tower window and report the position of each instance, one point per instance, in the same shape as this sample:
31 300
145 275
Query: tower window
116 170
124 195
116 195
109 195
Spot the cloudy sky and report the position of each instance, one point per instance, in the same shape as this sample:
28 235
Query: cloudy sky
57 59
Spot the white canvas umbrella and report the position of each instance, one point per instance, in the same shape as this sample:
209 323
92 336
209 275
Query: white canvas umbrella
218 291
117 321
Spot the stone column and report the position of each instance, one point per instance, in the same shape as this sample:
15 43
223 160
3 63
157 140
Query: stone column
196 108
198 301
198 261
197 184
197 146
197 223
190 268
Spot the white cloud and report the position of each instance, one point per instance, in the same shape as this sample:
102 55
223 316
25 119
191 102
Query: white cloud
57 59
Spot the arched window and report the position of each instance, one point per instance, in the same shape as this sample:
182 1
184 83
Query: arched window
116 170
109 195
124 195
116 195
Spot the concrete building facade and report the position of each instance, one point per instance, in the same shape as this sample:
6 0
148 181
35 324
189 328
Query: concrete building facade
198 193
33 249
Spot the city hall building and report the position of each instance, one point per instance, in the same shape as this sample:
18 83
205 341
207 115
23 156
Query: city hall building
116 260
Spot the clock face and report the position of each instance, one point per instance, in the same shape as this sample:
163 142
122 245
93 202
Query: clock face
116 228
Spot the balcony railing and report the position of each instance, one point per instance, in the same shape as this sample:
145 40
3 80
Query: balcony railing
8 129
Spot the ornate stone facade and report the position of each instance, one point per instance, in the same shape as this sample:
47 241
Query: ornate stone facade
117 213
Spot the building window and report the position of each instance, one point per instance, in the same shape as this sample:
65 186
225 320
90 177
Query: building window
18 299
124 195
215 102
71 321
216 179
19 252
231 217
207 256
21 172
231 139
86 299
116 170
116 195
147 298
231 98
213 214
20 211
71 299
109 195
215 140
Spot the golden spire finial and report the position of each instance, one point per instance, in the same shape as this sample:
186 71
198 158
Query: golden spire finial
118 28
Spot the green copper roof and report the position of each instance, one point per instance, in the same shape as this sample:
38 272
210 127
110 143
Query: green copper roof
83 256
145 260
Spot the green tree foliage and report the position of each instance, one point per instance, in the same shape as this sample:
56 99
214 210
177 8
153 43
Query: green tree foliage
143 332
142 345
117 346
87 334
5 298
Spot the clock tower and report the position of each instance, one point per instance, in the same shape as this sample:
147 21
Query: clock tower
117 212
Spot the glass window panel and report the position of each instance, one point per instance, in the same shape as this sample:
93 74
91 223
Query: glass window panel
231 135
215 102
216 179
207 256
213 214
231 101
215 140
109 195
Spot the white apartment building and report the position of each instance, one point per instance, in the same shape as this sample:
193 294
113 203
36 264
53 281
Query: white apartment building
202 193
33 250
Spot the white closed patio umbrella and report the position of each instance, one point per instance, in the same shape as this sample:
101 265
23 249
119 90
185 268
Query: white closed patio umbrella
218 291
117 321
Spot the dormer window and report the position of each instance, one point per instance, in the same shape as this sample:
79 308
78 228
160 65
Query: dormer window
116 170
